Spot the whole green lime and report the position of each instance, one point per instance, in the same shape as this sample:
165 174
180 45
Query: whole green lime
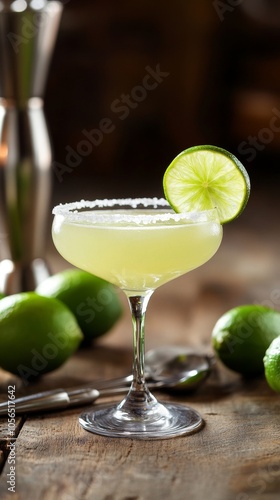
37 334
242 335
93 301
272 365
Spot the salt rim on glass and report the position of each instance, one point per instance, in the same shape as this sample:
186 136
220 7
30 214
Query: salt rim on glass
73 211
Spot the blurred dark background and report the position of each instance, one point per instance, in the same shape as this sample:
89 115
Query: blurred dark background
217 66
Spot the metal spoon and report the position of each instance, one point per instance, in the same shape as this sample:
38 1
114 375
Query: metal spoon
167 368
186 368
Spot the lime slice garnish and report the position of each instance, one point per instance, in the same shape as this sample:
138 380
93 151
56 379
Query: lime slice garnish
207 177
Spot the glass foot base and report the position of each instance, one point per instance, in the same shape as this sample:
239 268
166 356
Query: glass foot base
169 421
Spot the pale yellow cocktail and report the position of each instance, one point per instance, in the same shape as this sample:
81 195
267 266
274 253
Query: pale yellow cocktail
138 245
137 252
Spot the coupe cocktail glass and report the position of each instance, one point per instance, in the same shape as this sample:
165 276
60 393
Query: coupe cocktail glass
138 245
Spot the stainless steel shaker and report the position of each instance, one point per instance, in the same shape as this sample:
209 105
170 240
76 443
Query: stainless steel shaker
28 31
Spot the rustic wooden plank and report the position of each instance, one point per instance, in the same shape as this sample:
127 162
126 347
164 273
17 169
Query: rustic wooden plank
56 458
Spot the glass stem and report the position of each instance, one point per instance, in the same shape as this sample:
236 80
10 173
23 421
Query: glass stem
138 306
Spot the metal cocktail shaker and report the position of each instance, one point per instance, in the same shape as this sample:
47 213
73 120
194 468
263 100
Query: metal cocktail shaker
28 30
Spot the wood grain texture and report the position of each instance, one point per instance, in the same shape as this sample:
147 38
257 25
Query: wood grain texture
237 452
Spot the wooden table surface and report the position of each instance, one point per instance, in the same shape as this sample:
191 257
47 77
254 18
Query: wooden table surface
236 456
